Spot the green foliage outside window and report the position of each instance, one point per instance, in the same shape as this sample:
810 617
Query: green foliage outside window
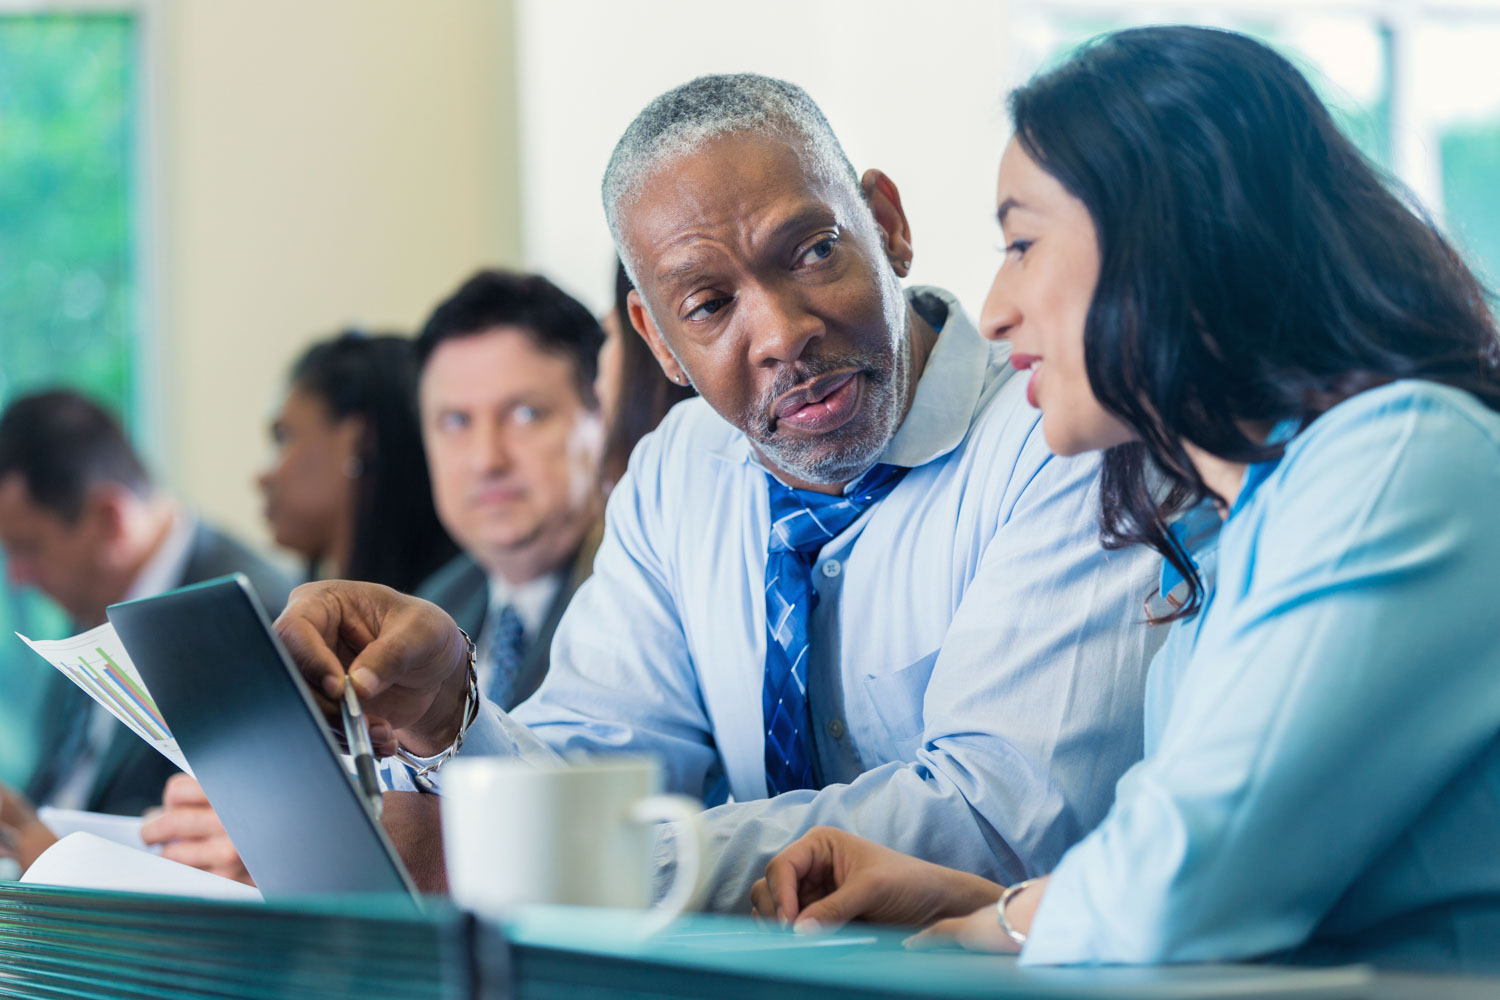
1471 195
67 123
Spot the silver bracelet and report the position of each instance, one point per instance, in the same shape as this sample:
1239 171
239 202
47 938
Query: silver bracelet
1017 936
420 771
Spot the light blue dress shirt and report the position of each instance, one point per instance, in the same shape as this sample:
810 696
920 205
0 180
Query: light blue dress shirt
1323 740
977 664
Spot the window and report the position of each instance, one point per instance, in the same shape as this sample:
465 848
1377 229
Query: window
68 275
1412 86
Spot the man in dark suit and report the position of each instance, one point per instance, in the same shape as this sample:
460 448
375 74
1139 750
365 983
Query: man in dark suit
81 521
513 434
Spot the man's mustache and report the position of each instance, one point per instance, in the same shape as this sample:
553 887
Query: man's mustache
805 370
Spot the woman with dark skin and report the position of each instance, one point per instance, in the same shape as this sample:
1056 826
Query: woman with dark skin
347 488
1205 279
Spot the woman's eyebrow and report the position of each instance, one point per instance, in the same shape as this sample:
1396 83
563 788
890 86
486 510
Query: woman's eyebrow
1005 208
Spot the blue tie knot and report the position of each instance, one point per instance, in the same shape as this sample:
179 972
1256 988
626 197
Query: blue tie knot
804 521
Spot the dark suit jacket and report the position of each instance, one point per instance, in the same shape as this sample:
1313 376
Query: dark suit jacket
131 773
462 588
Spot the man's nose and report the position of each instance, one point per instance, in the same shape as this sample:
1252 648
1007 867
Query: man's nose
783 327
491 446
1000 315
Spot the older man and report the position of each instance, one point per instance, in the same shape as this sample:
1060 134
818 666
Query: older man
849 586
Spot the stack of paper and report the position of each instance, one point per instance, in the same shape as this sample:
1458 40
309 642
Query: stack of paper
84 944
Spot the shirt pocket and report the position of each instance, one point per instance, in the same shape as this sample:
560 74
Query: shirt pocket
897 702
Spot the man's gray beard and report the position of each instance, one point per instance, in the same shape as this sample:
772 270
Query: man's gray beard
886 396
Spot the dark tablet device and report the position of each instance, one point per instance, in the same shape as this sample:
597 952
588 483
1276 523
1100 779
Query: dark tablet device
256 740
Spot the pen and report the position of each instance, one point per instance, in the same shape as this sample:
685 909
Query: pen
357 733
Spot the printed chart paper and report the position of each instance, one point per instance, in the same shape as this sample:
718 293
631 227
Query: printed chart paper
97 662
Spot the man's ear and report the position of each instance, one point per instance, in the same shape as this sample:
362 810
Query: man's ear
641 320
885 204
104 513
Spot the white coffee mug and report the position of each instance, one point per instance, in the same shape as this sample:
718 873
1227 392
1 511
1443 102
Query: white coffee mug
579 833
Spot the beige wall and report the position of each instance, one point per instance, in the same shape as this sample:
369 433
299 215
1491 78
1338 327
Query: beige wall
316 165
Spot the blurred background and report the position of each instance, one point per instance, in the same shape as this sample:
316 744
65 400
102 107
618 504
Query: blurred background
191 192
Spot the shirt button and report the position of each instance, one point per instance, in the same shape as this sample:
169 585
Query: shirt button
832 568
836 726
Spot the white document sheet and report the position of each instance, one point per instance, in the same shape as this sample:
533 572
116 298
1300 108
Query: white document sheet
97 662
84 861
124 830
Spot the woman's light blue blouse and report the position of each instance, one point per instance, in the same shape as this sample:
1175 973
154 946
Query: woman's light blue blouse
1322 771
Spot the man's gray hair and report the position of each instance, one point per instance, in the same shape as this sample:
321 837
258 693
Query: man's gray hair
685 118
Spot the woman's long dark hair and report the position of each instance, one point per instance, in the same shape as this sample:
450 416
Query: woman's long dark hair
398 540
1254 267
644 394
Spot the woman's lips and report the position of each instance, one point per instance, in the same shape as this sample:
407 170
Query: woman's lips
827 406
1033 364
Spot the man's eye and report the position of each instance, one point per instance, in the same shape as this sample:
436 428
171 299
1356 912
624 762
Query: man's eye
819 251
453 421
707 309
526 414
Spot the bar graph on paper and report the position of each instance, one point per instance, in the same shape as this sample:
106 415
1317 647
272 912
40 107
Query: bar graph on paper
97 662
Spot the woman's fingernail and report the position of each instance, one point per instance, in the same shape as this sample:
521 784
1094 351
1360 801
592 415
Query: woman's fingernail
380 732
808 926
331 685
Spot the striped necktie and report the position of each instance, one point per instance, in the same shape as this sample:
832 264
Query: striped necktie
506 644
802 522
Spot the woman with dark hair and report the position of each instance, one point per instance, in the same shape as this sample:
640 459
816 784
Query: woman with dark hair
633 391
347 489
1205 279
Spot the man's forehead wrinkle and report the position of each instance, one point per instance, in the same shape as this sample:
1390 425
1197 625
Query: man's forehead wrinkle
758 232
735 195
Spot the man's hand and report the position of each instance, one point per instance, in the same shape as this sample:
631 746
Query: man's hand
406 659
828 878
189 831
22 835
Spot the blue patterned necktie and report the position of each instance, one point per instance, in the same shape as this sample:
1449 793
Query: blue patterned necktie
506 643
802 522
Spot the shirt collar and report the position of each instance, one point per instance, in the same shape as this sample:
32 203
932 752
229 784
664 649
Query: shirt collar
1197 528
165 567
1259 472
531 599
943 405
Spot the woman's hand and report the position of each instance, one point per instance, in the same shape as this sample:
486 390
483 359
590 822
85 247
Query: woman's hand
828 878
981 930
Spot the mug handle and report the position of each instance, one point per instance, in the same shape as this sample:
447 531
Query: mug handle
683 810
